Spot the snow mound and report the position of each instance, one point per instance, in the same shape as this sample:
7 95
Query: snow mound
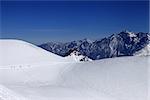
76 56
123 78
143 52
25 63
14 52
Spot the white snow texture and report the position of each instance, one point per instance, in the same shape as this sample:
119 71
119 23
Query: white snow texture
28 72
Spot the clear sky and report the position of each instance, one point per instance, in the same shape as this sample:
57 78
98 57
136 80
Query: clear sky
42 21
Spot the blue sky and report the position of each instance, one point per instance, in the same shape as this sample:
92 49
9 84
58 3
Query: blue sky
42 21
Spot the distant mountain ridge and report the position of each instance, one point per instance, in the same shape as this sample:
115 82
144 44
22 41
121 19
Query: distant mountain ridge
124 43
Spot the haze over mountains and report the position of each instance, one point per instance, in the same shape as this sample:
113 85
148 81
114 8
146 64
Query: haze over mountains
124 43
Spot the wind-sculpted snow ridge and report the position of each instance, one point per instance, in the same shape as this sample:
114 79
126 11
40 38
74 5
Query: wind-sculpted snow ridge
18 52
124 43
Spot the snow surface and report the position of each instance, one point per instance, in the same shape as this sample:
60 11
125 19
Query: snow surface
125 78
16 52
7 94
76 56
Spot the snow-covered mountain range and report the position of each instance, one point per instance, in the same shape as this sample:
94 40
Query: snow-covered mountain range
124 43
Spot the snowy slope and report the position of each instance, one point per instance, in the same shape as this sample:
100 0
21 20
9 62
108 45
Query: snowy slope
124 78
110 79
22 62
7 94
16 52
